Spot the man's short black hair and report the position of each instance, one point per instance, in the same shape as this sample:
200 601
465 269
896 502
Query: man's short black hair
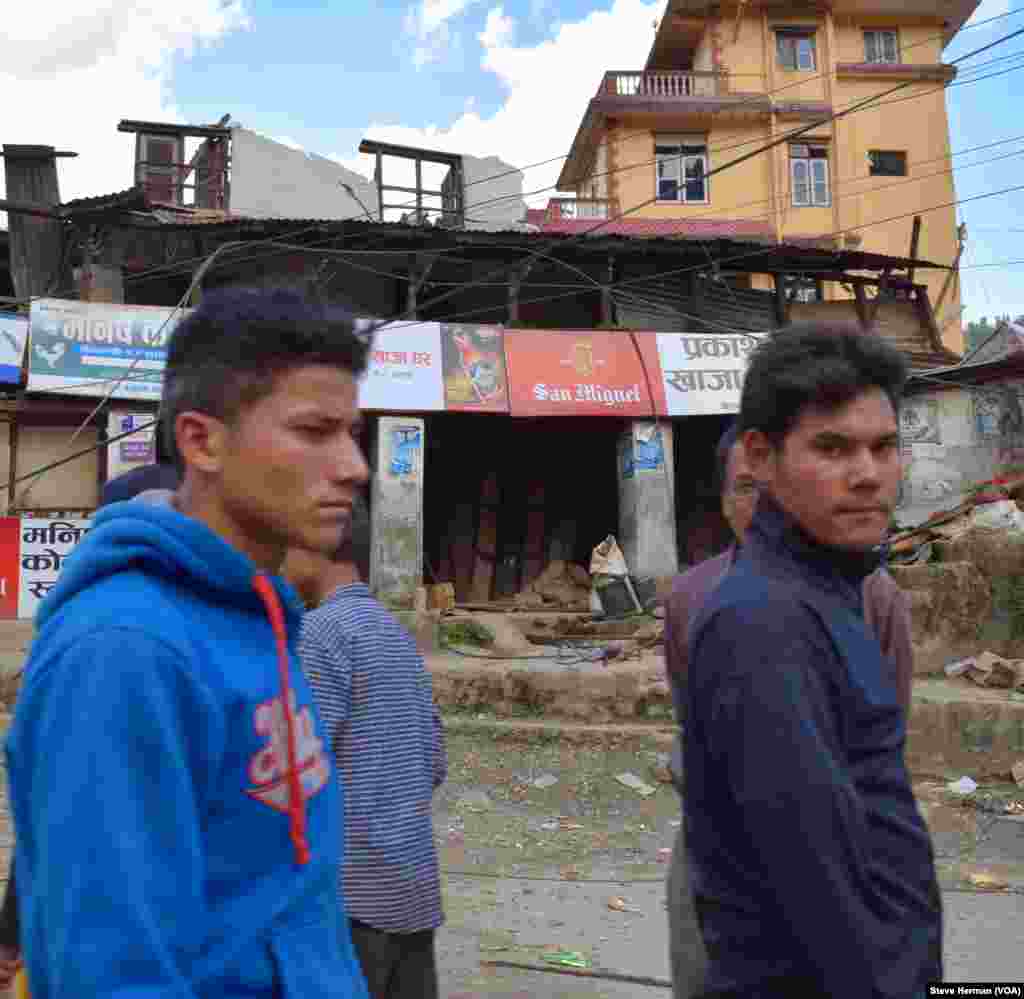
725 445
228 353
815 364
355 548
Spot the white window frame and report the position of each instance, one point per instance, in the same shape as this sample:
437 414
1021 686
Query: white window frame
814 188
690 151
886 45
796 36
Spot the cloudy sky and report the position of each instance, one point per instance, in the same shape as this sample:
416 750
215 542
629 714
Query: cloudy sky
510 79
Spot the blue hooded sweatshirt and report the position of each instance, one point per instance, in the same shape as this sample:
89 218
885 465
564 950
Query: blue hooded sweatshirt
178 822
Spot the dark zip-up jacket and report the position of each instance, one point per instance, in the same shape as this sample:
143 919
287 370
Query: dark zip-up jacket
812 866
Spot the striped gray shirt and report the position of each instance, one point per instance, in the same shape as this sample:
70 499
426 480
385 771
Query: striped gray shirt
376 701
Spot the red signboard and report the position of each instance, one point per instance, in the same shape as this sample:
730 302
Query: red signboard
580 373
10 566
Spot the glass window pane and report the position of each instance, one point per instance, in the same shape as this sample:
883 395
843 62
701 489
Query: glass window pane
801 182
805 49
819 170
890 48
668 176
871 46
787 51
695 178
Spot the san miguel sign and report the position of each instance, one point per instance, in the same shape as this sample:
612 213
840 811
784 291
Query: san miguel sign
575 373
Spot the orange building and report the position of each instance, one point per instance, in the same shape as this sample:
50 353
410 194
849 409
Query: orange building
723 80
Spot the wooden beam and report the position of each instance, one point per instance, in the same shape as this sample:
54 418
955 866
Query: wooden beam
30 208
883 290
860 303
781 305
961 237
915 239
924 310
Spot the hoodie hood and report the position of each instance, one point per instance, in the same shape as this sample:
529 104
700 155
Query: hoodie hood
148 534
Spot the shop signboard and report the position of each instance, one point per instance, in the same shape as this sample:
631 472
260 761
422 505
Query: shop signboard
577 373
475 380
46 544
92 348
134 451
702 373
10 554
404 373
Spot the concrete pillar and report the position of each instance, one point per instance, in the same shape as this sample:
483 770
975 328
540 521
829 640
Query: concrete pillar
396 561
647 508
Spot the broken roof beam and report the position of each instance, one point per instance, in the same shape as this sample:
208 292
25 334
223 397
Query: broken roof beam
373 147
167 128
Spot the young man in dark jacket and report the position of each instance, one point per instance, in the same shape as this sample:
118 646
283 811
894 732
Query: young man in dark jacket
886 612
813 870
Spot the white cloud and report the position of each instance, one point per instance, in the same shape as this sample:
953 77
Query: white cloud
989 8
427 24
531 125
71 70
498 31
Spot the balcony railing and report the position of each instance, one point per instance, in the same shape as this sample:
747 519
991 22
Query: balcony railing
578 208
662 84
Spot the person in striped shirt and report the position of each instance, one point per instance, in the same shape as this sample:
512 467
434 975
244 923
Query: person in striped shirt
375 697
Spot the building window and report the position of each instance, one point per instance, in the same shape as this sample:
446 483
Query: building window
682 163
796 49
881 46
800 288
808 170
887 163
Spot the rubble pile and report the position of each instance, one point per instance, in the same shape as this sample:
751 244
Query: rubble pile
561 586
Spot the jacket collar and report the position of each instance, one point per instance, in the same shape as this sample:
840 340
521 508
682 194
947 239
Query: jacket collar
775 540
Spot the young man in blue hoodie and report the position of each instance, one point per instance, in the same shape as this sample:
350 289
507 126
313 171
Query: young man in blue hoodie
812 868
177 824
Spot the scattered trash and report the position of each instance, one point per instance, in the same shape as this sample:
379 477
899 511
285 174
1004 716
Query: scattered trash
991 882
1002 514
456 838
662 775
618 904
990 670
611 581
664 855
494 947
962 786
567 825
676 823
634 783
570 873
548 780
475 801
567 959
959 668
1017 772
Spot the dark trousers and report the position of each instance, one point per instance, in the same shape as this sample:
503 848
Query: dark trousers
396 965
687 956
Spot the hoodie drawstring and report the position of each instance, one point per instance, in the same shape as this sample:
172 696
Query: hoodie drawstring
296 801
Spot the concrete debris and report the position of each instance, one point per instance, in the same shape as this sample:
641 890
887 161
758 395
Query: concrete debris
1017 772
962 786
990 882
475 801
545 781
634 783
990 670
562 585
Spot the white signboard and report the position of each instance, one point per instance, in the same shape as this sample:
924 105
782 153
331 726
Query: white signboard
132 452
405 370
703 372
45 546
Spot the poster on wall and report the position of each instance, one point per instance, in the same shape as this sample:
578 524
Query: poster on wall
650 449
84 348
919 421
585 373
404 370
46 544
474 369
10 553
130 452
13 337
703 372
988 412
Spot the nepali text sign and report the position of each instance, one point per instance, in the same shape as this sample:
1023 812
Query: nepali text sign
90 348
13 337
585 373
404 370
134 451
46 544
703 373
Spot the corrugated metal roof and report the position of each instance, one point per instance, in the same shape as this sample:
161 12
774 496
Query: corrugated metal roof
642 228
130 199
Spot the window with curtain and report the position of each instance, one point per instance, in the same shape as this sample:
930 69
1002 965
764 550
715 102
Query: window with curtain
881 46
681 164
808 170
796 49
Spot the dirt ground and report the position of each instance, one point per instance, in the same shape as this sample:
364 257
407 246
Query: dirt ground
506 856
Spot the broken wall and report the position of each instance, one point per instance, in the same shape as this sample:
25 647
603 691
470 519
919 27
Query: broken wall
954 438
271 180
493 191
